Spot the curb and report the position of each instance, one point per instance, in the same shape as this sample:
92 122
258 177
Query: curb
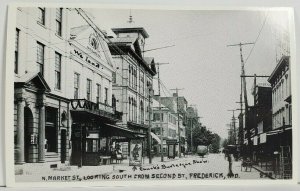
263 172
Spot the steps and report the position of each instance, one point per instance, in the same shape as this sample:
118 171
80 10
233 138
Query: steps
52 157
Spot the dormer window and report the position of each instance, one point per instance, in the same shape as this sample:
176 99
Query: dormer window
94 43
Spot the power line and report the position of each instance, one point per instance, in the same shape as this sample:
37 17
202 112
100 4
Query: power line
257 36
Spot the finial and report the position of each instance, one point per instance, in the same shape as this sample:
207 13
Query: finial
130 18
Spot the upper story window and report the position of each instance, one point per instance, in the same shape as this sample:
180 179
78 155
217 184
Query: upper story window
106 96
40 57
88 89
98 95
17 50
57 71
58 21
76 85
41 15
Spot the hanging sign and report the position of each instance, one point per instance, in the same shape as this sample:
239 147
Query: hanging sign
135 156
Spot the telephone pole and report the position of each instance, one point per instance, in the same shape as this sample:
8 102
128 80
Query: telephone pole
160 113
179 137
243 88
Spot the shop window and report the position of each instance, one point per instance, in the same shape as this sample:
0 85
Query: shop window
91 145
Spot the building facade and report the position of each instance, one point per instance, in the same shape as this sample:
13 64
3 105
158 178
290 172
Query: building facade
64 108
42 128
133 78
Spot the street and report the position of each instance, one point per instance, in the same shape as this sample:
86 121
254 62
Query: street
212 166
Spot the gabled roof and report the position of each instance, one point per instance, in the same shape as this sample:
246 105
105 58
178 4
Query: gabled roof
77 30
35 77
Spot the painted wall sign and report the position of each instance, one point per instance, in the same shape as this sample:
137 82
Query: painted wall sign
86 58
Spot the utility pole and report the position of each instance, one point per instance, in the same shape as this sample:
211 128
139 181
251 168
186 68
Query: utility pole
243 88
150 124
178 122
160 113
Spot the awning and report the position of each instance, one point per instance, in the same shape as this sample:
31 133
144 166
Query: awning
154 136
278 131
109 130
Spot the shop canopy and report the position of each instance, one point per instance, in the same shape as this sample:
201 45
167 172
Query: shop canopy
109 130
154 136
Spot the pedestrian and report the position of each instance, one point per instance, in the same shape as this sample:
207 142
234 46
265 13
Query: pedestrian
230 173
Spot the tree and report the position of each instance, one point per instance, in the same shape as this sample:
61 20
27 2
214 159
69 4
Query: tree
215 145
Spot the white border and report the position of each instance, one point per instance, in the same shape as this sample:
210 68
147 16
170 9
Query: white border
9 91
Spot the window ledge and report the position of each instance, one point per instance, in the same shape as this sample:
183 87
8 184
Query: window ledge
41 24
59 36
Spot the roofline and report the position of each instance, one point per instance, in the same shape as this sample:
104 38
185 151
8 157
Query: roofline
131 29
281 61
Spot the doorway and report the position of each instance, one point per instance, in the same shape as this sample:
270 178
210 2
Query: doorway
51 129
63 145
28 125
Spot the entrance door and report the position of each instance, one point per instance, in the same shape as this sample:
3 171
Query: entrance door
76 145
28 125
63 145
51 129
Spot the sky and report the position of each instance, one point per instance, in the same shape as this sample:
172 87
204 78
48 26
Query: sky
200 61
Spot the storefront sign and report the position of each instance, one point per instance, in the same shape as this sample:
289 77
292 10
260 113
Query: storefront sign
135 155
33 139
255 140
86 58
263 138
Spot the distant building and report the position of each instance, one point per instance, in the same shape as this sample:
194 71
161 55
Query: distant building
167 118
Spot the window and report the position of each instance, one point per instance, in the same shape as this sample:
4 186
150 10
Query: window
98 96
40 57
106 96
58 21
17 50
88 89
57 71
142 111
41 15
142 87
76 85
94 43
91 145
129 109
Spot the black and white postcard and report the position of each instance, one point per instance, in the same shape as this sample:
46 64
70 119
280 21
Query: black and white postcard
122 95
